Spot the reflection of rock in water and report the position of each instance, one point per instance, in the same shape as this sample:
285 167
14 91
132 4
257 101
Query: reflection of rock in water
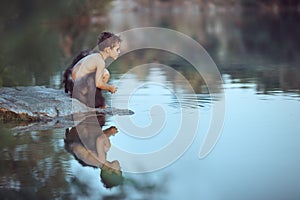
87 143
45 108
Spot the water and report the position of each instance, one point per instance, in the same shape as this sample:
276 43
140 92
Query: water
257 154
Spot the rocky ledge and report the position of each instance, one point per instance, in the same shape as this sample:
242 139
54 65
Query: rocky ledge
46 105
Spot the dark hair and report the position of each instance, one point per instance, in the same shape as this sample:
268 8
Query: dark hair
67 77
107 39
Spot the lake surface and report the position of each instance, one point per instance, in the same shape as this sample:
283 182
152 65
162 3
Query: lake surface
257 155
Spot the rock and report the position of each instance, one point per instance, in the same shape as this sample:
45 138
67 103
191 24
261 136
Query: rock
40 105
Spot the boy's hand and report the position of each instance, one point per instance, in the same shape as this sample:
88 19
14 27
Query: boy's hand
112 89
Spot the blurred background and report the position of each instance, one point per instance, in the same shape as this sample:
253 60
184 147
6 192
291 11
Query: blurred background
247 39
255 45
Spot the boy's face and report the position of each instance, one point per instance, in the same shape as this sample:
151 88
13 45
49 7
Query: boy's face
115 51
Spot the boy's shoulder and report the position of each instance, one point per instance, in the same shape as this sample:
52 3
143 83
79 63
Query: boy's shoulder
95 56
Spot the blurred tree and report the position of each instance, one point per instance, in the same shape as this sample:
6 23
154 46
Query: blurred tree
36 35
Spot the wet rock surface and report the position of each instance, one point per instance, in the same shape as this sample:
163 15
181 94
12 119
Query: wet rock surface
45 108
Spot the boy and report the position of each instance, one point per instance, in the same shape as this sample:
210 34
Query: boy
87 76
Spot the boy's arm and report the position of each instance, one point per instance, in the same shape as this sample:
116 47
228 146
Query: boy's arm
101 154
99 78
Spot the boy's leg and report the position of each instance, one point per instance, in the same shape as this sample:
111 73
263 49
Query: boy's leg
106 76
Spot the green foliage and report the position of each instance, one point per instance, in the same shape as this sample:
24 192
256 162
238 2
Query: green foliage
31 31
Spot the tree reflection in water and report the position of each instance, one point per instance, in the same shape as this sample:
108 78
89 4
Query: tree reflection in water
35 165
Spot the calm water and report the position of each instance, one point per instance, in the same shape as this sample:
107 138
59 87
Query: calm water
258 153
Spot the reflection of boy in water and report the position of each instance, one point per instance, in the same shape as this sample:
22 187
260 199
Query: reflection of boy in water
90 148
87 75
